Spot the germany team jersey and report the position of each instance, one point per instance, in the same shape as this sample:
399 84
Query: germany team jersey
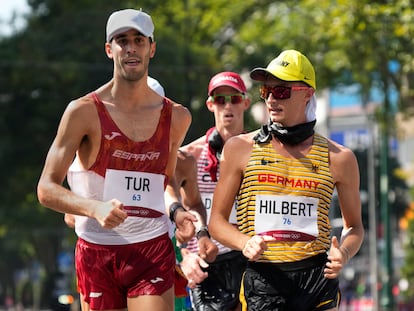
288 199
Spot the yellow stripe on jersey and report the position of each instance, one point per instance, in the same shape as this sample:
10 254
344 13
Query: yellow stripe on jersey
269 173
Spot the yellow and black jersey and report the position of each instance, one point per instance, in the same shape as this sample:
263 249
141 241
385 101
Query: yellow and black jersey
288 199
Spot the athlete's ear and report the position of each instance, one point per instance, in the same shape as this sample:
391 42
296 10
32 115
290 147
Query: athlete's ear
311 91
246 102
108 49
210 104
153 48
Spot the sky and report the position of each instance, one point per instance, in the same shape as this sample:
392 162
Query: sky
7 7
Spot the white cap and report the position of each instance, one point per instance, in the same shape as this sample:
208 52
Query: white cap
156 86
123 20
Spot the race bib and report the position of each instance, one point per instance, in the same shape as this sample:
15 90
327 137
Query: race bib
141 193
207 199
287 218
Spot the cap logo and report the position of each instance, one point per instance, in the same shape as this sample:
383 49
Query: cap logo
226 78
284 63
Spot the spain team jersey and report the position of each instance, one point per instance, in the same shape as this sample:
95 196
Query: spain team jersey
288 199
132 172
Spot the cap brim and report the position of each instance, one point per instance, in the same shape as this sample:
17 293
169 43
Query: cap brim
125 29
259 74
229 84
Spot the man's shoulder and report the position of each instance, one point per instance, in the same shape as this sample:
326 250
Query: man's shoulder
340 154
83 103
245 137
195 147
185 156
181 115
333 146
250 135
179 108
240 143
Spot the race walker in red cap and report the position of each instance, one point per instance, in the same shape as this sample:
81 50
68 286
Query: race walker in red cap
284 176
214 285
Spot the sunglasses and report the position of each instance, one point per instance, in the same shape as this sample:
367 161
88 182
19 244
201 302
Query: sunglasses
222 99
280 92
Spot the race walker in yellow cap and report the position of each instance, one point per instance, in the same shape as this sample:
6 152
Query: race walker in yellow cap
284 176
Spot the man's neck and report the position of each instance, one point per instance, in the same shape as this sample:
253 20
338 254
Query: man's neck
227 133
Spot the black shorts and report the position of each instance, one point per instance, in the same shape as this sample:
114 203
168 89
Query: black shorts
220 290
299 286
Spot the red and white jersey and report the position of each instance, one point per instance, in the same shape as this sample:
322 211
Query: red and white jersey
206 187
132 172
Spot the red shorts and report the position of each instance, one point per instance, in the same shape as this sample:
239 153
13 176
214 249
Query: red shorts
108 274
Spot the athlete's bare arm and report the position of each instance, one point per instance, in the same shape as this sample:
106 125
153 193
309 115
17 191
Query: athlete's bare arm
345 172
234 158
236 153
195 147
181 119
186 176
78 131
69 220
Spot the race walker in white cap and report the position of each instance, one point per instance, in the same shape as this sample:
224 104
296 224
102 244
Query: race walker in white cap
117 147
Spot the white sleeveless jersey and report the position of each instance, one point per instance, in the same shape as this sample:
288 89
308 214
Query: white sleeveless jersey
133 173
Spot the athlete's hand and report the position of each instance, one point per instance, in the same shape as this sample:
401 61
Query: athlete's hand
255 246
110 214
184 223
208 250
336 260
191 267
70 220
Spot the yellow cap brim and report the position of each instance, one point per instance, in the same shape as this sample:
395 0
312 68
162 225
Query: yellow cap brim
261 74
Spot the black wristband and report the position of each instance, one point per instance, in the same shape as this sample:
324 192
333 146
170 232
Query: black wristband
202 232
173 208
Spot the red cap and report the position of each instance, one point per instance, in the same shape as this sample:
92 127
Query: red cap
227 78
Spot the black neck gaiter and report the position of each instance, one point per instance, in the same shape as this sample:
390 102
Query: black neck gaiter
292 135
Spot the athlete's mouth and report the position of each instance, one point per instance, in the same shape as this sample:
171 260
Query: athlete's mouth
275 109
132 62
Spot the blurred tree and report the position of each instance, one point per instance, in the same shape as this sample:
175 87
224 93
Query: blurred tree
399 191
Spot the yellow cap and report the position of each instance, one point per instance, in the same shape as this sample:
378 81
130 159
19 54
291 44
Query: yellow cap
290 65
